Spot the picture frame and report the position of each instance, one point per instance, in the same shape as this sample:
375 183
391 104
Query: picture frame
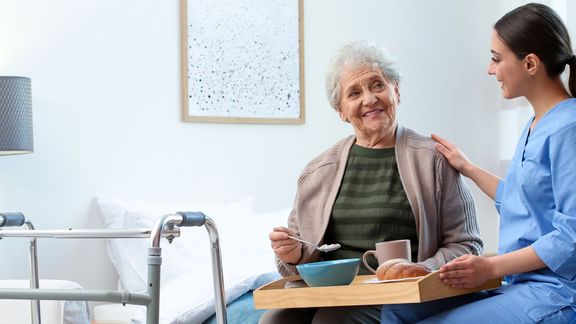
242 61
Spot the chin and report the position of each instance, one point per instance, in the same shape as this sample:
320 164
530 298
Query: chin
507 95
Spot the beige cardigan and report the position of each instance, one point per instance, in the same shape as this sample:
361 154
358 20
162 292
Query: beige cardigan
442 204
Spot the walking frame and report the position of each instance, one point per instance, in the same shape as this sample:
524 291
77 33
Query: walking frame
166 227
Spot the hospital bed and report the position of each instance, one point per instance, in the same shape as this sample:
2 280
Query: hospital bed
167 227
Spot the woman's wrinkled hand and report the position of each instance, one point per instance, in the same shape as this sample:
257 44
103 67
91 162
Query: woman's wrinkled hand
287 249
467 271
452 153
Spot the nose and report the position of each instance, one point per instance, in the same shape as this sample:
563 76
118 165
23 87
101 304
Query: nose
491 68
369 99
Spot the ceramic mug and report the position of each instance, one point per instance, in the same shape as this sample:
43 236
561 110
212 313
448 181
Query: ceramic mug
388 250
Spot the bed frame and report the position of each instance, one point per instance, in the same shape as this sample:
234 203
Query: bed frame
166 227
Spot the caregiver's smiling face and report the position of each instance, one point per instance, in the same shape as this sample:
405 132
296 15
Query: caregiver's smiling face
507 68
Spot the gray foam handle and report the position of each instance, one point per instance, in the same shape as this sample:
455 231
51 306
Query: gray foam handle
12 219
192 218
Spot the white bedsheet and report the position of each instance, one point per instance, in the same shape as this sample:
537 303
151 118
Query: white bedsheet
51 311
186 291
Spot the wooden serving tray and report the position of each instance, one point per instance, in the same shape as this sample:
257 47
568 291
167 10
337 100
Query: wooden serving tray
417 290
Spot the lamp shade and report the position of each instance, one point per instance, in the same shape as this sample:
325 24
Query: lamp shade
15 115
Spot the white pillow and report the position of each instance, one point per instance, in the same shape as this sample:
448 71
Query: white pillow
187 254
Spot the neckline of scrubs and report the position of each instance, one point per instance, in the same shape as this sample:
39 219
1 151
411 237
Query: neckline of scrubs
528 132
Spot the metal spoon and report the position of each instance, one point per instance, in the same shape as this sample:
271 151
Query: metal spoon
321 248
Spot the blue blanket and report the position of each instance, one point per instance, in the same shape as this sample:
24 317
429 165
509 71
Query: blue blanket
240 311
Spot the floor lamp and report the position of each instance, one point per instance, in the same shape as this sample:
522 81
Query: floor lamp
16 138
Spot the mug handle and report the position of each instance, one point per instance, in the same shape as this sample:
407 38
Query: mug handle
366 254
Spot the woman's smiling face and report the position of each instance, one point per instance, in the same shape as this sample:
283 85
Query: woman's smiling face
367 100
507 69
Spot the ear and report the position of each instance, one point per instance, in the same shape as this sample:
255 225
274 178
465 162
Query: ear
532 63
397 91
342 116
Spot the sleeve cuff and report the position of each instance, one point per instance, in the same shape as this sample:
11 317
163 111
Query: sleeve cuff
556 249
429 264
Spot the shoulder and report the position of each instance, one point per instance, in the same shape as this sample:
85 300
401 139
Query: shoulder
562 123
414 143
417 153
331 156
568 106
564 115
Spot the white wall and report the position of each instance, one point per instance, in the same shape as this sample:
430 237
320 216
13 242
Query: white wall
106 99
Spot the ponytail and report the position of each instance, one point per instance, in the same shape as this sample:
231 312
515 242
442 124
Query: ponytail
572 78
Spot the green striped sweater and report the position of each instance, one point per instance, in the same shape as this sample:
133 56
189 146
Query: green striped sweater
371 206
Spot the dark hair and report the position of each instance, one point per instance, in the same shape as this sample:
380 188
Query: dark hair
536 28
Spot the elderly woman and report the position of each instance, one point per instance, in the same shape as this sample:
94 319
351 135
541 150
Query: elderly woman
384 183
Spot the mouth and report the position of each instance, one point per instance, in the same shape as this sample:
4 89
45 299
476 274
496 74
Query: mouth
372 112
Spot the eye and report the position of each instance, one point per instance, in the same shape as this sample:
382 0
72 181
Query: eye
353 93
495 59
379 85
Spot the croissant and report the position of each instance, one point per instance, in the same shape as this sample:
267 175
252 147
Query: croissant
399 269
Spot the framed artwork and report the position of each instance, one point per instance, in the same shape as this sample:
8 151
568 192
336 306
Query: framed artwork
243 61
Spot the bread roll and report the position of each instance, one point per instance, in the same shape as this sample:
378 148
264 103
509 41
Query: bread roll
385 266
399 269
415 270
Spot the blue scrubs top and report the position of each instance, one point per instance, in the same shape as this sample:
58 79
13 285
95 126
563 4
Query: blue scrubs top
537 206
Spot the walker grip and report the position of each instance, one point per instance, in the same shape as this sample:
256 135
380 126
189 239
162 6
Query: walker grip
192 218
12 219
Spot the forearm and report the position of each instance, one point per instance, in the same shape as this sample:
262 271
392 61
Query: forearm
460 234
523 260
485 180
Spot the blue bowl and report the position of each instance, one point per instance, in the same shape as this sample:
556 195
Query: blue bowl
329 273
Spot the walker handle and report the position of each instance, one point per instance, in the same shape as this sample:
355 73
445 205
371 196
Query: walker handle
192 218
12 219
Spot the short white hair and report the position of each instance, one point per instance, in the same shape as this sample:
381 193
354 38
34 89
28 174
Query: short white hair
357 54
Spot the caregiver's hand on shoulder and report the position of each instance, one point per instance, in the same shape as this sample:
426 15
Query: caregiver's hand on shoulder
452 153
287 249
467 271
